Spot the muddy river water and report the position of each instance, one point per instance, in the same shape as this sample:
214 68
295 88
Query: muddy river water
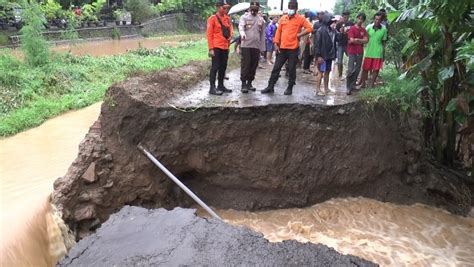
388 234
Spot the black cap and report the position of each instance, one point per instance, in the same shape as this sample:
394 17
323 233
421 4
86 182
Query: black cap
254 3
221 3
293 4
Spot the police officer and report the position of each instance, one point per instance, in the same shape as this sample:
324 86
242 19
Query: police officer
219 33
252 34
286 45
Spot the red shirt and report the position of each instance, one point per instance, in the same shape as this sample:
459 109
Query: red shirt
215 37
358 33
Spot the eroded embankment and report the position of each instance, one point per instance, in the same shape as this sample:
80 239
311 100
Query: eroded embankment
244 157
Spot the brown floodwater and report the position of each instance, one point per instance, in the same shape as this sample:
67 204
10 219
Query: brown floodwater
388 234
31 160
116 47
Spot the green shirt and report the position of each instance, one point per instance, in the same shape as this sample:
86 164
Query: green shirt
374 48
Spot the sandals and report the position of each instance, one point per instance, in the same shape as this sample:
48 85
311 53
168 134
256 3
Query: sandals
321 93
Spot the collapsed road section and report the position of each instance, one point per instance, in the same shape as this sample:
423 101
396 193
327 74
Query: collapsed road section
248 152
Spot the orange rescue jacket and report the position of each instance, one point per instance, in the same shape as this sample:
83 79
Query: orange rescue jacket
215 37
287 32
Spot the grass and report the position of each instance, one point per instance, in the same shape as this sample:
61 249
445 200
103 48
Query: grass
396 92
4 39
31 95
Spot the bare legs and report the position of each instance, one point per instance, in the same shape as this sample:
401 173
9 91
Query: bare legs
322 76
365 76
270 58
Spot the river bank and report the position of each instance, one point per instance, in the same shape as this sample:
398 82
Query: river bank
31 95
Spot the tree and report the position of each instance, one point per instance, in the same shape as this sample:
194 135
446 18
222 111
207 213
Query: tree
439 29
33 43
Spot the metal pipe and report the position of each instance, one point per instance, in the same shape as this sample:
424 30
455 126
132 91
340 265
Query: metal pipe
178 182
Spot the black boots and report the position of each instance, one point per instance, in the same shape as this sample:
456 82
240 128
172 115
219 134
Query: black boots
214 91
244 88
247 86
289 90
222 88
250 86
269 89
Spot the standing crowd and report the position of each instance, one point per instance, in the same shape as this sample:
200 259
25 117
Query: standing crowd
313 39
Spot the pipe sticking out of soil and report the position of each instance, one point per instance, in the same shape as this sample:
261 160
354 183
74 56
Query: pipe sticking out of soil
178 182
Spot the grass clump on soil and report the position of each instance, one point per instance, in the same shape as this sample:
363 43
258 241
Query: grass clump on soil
395 92
4 39
30 95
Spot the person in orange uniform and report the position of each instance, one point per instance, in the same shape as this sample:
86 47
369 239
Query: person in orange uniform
286 44
219 33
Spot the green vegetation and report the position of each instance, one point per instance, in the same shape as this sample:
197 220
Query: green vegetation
395 92
34 46
4 39
140 10
431 45
31 95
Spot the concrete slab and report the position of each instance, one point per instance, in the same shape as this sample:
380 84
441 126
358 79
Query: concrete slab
303 92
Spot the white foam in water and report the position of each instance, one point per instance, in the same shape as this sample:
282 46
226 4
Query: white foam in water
387 234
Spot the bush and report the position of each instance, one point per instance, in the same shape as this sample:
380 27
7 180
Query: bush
396 92
140 10
33 43
51 9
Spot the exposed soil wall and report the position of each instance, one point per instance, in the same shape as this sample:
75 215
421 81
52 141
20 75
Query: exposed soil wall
254 157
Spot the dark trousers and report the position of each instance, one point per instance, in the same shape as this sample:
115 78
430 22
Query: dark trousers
219 65
249 63
353 69
290 55
307 57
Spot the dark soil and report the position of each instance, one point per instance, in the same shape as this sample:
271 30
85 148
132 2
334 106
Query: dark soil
141 237
253 157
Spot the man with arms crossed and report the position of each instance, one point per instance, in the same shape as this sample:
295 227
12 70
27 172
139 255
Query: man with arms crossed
373 58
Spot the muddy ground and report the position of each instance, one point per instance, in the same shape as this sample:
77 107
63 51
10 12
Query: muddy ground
140 237
247 152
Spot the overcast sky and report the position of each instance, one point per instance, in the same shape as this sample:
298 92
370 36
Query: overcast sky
311 4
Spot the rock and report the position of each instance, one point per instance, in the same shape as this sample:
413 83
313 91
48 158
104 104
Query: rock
94 196
109 184
89 175
341 111
104 173
108 157
85 212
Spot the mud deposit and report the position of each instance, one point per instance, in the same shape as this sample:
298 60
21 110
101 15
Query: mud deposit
140 237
